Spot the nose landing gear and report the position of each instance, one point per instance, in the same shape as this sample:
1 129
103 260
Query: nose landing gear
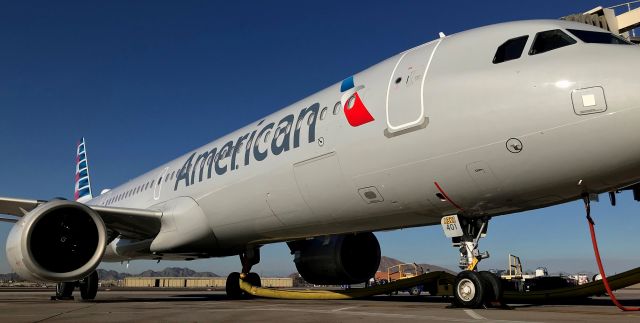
472 288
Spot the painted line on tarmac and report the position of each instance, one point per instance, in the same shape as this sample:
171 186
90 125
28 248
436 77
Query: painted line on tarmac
344 308
474 315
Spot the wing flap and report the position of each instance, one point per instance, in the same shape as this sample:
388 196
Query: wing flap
131 223
3 219
17 207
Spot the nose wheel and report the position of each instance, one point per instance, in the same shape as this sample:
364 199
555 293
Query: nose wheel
469 289
472 288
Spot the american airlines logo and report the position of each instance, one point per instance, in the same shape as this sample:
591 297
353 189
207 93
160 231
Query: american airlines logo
354 109
274 137
256 145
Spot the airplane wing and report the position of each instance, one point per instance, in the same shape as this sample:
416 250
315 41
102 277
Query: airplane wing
130 223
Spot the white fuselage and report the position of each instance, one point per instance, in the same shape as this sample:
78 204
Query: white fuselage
493 138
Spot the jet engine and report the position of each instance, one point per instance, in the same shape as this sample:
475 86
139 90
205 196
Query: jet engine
337 260
57 241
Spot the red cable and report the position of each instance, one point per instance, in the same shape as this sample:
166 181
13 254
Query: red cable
600 267
447 196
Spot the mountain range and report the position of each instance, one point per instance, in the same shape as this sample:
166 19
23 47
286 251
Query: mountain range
114 275
385 262
167 272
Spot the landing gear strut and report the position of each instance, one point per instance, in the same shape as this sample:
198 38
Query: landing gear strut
248 258
472 288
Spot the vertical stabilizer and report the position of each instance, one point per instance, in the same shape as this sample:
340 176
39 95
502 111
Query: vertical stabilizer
83 185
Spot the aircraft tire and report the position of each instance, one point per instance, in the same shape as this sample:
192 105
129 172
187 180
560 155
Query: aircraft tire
65 290
233 286
469 289
494 290
253 279
89 286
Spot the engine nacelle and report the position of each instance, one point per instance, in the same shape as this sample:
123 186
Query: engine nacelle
337 260
57 241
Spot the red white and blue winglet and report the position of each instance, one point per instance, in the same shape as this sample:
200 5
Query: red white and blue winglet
83 185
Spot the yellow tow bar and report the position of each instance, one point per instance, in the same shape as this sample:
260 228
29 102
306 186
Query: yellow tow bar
428 278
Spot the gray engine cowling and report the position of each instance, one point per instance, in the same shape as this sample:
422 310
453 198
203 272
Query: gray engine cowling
57 241
337 260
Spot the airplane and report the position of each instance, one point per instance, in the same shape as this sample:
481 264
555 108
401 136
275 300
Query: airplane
482 123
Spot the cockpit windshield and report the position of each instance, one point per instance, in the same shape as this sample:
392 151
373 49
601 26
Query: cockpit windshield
596 37
549 40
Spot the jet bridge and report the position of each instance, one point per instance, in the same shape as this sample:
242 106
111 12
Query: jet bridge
621 19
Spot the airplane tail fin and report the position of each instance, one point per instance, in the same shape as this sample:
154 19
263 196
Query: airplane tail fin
83 185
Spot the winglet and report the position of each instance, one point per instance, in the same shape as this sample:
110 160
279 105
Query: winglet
83 185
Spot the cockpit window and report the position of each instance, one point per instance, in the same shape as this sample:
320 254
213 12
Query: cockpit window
549 40
511 49
595 37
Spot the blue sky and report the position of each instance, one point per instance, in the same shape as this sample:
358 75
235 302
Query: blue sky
146 81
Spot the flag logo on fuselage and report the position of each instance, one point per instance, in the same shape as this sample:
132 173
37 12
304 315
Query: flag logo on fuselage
354 109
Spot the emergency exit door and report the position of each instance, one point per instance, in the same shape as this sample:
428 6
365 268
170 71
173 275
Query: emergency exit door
405 102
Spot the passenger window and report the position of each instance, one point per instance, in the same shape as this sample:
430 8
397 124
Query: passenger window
336 108
549 40
595 37
510 50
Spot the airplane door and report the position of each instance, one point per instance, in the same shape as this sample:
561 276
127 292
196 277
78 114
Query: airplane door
158 186
405 102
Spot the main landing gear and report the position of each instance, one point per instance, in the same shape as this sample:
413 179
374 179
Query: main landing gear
248 258
472 288
88 288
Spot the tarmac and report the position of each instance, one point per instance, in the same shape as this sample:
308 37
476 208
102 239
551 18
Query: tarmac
185 305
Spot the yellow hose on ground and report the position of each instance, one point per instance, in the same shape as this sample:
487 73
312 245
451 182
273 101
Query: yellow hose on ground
344 294
618 281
